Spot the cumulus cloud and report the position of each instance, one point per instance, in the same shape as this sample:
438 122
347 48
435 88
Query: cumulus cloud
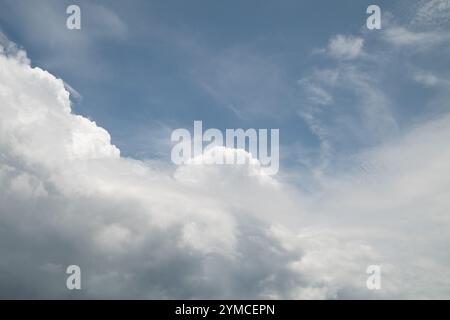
69 198
137 231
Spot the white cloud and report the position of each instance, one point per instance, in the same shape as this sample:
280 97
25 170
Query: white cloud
68 196
426 79
345 47
364 117
429 79
424 40
315 93
202 232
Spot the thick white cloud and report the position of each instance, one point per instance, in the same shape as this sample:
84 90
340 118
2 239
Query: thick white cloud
67 197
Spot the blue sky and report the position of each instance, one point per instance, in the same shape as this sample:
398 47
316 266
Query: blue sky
364 132
144 68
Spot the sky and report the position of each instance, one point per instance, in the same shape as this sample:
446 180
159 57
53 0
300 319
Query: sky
86 175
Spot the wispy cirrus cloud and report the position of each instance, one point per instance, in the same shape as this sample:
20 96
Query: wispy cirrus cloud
432 13
401 36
